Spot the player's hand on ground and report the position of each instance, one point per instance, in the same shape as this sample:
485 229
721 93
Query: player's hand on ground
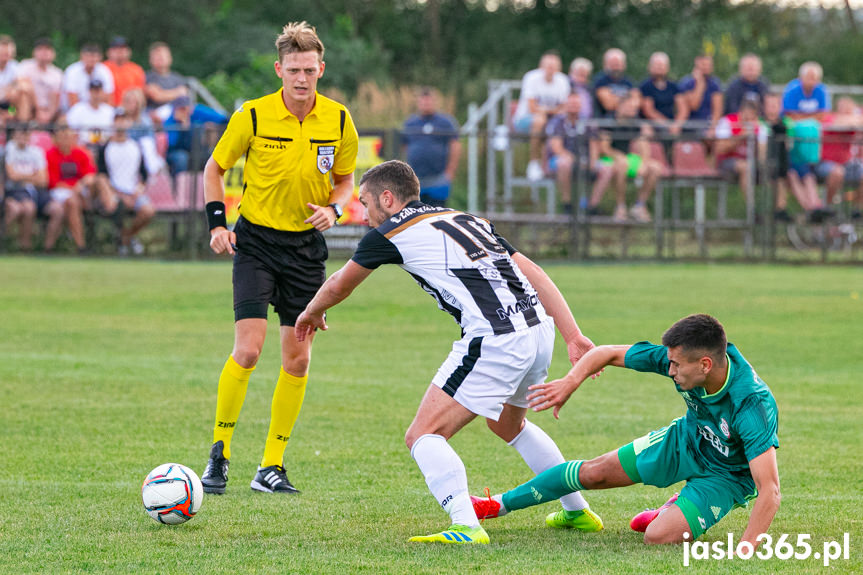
223 240
323 217
307 323
549 394
577 348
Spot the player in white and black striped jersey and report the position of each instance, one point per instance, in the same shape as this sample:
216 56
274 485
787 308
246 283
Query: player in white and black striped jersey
504 304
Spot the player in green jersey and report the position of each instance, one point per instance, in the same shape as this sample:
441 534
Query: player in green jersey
724 447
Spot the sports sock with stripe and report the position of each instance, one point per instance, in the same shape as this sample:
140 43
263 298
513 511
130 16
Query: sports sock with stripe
233 383
446 477
284 410
549 485
540 452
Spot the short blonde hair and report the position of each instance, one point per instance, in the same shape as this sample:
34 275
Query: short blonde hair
299 37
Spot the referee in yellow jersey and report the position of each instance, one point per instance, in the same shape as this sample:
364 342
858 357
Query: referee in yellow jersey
301 151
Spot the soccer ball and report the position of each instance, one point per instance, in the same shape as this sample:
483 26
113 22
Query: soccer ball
172 494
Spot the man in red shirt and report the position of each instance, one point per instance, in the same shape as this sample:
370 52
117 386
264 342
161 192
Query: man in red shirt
127 74
71 175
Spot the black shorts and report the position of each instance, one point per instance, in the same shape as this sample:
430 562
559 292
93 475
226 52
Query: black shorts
276 267
21 192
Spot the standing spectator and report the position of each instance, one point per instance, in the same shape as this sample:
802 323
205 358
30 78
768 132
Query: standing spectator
579 79
127 74
163 86
612 85
71 178
733 133
187 125
543 92
777 155
806 97
46 80
124 184
11 93
570 143
615 145
431 147
748 85
77 77
26 176
93 118
661 100
702 92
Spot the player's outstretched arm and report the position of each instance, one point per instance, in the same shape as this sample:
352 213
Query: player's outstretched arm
556 393
577 344
765 473
335 290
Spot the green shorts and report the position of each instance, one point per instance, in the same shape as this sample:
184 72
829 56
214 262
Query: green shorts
666 456
633 162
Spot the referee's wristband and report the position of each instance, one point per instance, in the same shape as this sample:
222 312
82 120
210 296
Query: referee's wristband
216 215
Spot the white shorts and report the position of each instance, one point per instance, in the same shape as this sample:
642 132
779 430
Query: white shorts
484 373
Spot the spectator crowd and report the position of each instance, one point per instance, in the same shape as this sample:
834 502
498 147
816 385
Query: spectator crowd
618 130
88 138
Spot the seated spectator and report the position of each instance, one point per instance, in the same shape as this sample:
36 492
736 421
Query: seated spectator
805 96
71 178
614 146
579 81
77 77
142 131
838 167
46 81
702 92
733 133
26 178
11 96
92 118
186 126
572 143
127 74
748 85
611 86
124 185
661 100
431 146
543 92
163 86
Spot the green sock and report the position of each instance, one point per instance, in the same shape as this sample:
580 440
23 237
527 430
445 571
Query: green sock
549 485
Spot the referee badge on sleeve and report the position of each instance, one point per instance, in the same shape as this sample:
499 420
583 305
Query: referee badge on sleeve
326 156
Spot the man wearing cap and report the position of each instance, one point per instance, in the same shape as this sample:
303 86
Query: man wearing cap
45 78
127 74
182 127
92 118
77 77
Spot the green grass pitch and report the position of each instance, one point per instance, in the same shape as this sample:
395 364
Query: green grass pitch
109 368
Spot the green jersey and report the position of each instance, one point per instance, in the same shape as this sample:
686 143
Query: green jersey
730 427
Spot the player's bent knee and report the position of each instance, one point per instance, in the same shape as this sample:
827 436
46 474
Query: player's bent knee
246 356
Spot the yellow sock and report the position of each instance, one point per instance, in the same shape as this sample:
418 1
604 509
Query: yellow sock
287 401
229 401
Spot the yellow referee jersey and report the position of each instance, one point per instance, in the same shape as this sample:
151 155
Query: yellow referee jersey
288 162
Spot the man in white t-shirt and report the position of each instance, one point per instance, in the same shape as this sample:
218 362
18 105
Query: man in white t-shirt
26 175
124 184
77 77
45 80
93 119
543 92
